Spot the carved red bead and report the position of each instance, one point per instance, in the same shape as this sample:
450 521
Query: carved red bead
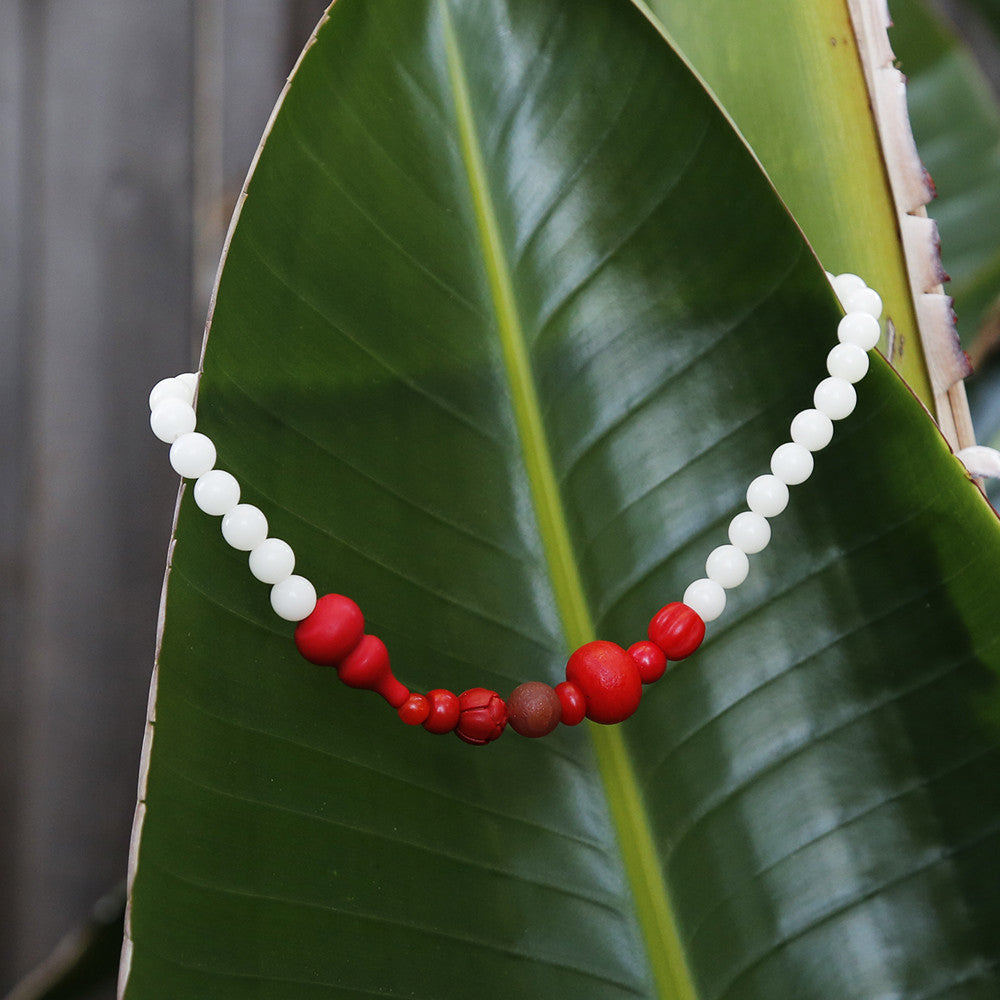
414 710
483 715
677 630
572 703
331 631
650 659
534 709
609 679
444 713
367 666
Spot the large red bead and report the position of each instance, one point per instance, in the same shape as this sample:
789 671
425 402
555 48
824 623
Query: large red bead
572 703
445 711
609 679
533 709
650 659
331 631
367 666
483 715
677 630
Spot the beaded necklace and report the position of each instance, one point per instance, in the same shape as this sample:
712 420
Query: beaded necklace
603 680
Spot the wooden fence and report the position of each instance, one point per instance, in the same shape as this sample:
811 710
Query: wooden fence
125 132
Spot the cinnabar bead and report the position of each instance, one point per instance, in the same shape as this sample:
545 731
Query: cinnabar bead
414 710
534 709
444 713
482 716
650 659
331 630
572 703
367 666
609 679
677 630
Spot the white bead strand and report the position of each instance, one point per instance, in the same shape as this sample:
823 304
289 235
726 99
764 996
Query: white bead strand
847 361
749 532
171 418
706 598
192 455
865 300
792 463
244 527
767 496
727 565
171 388
836 398
859 328
293 598
812 429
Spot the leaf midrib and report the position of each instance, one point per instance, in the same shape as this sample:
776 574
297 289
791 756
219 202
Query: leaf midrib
639 857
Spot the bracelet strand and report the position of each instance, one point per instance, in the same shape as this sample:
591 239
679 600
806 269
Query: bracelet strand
603 681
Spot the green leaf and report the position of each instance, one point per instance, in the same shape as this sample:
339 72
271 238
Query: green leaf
509 320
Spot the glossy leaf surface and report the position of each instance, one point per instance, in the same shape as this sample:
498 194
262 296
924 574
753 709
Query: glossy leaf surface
509 320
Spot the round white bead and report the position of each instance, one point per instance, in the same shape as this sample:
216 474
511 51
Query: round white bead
750 532
845 284
171 388
706 598
812 429
190 381
865 300
859 328
293 598
727 565
216 492
767 496
272 561
244 527
171 418
847 361
192 455
835 397
792 463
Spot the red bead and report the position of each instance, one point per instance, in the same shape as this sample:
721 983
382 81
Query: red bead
572 703
677 630
331 631
445 710
415 710
650 659
367 666
609 679
533 709
483 716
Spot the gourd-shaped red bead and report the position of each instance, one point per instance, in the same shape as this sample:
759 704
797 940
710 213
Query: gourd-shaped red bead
650 659
331 631
367 666
482 718
677 630
444 713
609 679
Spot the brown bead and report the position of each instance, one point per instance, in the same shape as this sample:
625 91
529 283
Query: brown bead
533 709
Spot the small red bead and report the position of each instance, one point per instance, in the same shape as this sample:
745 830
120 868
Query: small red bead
414 710
331 631
609 679
572 703
677 630
367 666
483 716
445 710
650 659
533 709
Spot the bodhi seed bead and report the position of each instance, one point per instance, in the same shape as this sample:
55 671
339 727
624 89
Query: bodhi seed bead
847 361
859 328
727 566
792 463
812 429
172 418
533 709
767 496
192 455
244 527
750 532
293 599
272 561
707 598
836 398
217 492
